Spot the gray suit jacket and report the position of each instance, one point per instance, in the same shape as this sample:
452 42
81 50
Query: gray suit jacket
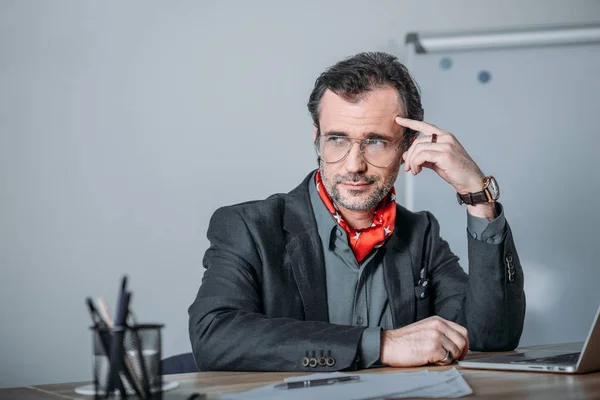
262 304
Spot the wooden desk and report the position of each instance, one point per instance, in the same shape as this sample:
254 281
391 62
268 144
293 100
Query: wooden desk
485 384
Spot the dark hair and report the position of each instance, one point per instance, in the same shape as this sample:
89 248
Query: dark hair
355 76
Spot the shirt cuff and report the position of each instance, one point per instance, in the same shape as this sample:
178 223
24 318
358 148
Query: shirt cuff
492 232
369 347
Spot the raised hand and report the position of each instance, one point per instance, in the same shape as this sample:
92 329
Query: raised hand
440 151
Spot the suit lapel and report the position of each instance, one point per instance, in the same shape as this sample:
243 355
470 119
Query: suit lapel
305 253
399 281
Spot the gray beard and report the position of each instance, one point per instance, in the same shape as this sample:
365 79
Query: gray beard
368 204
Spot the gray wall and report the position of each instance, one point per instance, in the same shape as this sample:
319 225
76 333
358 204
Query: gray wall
123 125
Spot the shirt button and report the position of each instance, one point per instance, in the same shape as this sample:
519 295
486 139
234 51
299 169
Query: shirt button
359 320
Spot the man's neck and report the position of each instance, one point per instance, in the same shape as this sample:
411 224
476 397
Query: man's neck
357 219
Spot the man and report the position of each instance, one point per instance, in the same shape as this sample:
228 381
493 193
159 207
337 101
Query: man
335 275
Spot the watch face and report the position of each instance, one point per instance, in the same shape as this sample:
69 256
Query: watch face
493 188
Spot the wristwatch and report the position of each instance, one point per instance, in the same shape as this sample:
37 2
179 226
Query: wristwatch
489 193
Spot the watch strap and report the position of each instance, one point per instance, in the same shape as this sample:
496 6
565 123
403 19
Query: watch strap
473 198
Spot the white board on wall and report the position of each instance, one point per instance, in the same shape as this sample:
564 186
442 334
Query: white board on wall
525 105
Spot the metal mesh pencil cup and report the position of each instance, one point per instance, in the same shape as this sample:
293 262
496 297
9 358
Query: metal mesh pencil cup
138 373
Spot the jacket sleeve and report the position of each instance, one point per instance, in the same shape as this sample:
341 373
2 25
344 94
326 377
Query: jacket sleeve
228 328
489 301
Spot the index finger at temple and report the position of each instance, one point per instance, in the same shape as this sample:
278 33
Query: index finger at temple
419 126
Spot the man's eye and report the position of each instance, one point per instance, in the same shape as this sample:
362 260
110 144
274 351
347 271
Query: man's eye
336 139
376 143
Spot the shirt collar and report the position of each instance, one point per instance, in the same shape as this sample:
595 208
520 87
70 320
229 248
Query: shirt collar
326 224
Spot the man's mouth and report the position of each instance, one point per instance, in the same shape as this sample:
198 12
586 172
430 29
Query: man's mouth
356 185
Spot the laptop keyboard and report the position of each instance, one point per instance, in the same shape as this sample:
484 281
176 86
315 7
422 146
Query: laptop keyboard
569 359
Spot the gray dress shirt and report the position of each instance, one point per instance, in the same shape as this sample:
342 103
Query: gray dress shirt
356 293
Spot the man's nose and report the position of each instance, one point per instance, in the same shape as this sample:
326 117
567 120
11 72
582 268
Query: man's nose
355 162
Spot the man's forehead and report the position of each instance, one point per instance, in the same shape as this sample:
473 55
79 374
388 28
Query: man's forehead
375 108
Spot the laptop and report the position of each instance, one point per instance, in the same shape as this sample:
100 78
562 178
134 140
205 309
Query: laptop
548 360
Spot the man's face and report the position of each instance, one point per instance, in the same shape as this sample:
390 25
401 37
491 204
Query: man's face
353 183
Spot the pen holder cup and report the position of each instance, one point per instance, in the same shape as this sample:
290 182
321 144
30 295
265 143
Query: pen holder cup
138 363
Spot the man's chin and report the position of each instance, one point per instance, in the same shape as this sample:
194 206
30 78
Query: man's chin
354 203
356 196
355 207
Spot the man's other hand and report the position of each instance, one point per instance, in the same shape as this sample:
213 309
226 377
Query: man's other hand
423 342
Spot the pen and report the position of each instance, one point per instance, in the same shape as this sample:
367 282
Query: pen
104 313
117 340
317 382
97 319
117 356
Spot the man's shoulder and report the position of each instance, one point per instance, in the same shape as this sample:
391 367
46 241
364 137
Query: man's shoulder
414 224
268 213
273 204
404 215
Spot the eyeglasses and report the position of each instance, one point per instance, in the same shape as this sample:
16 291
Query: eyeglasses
377 152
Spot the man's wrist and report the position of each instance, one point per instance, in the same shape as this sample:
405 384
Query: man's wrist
383 347
475 186
484 192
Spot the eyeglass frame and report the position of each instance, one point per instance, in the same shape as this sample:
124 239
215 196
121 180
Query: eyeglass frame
360 148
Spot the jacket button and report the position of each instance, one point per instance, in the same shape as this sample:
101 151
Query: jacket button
330 361
305 362
313 362
322 361
510 266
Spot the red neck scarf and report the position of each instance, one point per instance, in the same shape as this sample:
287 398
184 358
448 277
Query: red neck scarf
362 241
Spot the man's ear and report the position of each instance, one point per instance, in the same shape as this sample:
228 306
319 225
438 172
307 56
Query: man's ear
315 133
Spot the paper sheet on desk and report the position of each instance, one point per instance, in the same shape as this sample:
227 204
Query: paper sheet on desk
449 383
